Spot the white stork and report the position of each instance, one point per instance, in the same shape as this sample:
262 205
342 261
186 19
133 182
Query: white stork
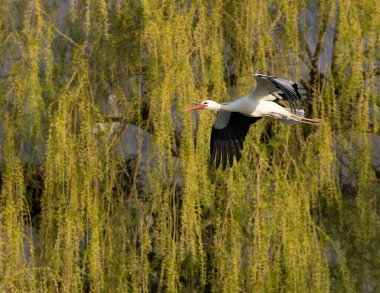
234 118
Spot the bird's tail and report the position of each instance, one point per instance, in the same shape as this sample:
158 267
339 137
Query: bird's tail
306 120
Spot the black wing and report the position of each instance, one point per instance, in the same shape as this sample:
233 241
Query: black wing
283 89
227 137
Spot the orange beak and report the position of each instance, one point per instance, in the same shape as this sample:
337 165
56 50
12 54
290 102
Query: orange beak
196 107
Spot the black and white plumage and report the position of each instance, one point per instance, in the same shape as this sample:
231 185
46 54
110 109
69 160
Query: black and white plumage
281 89
227 137
235 118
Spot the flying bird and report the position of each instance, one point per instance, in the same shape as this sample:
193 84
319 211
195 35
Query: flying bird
234 118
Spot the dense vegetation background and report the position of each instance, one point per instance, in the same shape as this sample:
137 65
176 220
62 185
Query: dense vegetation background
105 183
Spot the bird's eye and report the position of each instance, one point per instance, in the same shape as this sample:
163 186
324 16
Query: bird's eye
205 103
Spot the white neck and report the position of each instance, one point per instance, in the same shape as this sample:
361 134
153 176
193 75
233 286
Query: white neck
228 107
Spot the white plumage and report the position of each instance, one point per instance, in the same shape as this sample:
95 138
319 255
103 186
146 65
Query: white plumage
234 119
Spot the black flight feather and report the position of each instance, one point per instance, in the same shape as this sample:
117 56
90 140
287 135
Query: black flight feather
227 142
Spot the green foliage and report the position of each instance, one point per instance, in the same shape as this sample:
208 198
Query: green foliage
76 216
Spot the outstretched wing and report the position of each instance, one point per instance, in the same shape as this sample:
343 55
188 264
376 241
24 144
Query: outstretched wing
278 88
227 137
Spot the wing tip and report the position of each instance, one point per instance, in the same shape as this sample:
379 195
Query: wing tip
260 75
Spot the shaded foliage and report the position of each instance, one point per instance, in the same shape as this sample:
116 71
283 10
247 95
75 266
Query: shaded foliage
299 213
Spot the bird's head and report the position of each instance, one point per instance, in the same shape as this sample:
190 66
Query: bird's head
208 104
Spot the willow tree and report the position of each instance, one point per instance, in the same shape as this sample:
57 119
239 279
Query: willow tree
299 213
